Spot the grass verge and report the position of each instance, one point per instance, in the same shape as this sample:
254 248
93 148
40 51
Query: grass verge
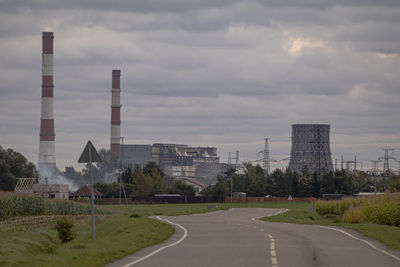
125 231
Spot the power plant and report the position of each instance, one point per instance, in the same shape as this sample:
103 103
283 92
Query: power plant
115 113
47 152
310 149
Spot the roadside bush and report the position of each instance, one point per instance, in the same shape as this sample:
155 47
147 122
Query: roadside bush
64 229
333 207
376 209
353 215
382 210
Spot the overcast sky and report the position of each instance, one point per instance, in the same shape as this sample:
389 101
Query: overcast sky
204 73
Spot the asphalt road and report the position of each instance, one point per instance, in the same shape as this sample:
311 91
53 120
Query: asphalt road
236 238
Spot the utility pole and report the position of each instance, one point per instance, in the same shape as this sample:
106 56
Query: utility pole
266 157
342 163
386 159
355 162
375 166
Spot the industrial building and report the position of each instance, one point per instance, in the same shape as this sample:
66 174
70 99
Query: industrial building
310 149
176 160
135 155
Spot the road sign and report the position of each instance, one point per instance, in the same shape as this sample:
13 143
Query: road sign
89 154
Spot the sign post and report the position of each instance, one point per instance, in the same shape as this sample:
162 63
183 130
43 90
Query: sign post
90 155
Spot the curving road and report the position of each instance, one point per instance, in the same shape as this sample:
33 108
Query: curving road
236 238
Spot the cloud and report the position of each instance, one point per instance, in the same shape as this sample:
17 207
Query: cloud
220 73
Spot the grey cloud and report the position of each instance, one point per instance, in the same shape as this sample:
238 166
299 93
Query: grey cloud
204 73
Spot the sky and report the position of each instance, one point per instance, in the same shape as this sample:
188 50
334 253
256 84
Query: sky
205 73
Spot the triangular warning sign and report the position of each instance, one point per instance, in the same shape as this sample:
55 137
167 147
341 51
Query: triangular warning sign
89 154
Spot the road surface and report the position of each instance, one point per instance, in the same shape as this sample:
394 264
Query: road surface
237 238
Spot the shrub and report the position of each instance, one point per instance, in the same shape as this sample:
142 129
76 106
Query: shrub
376 209
353 215
64 229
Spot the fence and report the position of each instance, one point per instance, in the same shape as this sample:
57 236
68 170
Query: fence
268 199
156 200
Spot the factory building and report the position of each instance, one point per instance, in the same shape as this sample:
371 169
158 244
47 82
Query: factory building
135 155
176 160
310 149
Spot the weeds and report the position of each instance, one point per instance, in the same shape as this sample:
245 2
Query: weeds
377 209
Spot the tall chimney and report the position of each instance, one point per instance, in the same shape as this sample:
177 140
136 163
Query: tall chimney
115 113
47 152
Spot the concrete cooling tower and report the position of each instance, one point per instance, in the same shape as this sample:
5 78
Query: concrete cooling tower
310 148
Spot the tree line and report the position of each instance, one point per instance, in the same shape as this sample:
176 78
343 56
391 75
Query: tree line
283 183
145 182
151 180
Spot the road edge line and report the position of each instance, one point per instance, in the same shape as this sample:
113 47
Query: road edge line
162 248
363 240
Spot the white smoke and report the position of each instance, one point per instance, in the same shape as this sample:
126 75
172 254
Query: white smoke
51 175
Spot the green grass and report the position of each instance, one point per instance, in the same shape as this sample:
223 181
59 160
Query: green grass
124 232
117 236
165 209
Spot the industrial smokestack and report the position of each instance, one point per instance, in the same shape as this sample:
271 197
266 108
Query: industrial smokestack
115 113
47 153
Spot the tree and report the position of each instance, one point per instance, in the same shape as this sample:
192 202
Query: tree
126 176
7 180
153 171
14 165
304 186
220 190
315 185
142 185
183 189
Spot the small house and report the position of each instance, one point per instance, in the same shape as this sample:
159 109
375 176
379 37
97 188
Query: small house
85 192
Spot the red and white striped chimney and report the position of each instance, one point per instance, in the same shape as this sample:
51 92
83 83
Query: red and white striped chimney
115 113
47 153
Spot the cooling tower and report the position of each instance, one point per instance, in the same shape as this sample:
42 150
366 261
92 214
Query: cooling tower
310 148
115 113
47 153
